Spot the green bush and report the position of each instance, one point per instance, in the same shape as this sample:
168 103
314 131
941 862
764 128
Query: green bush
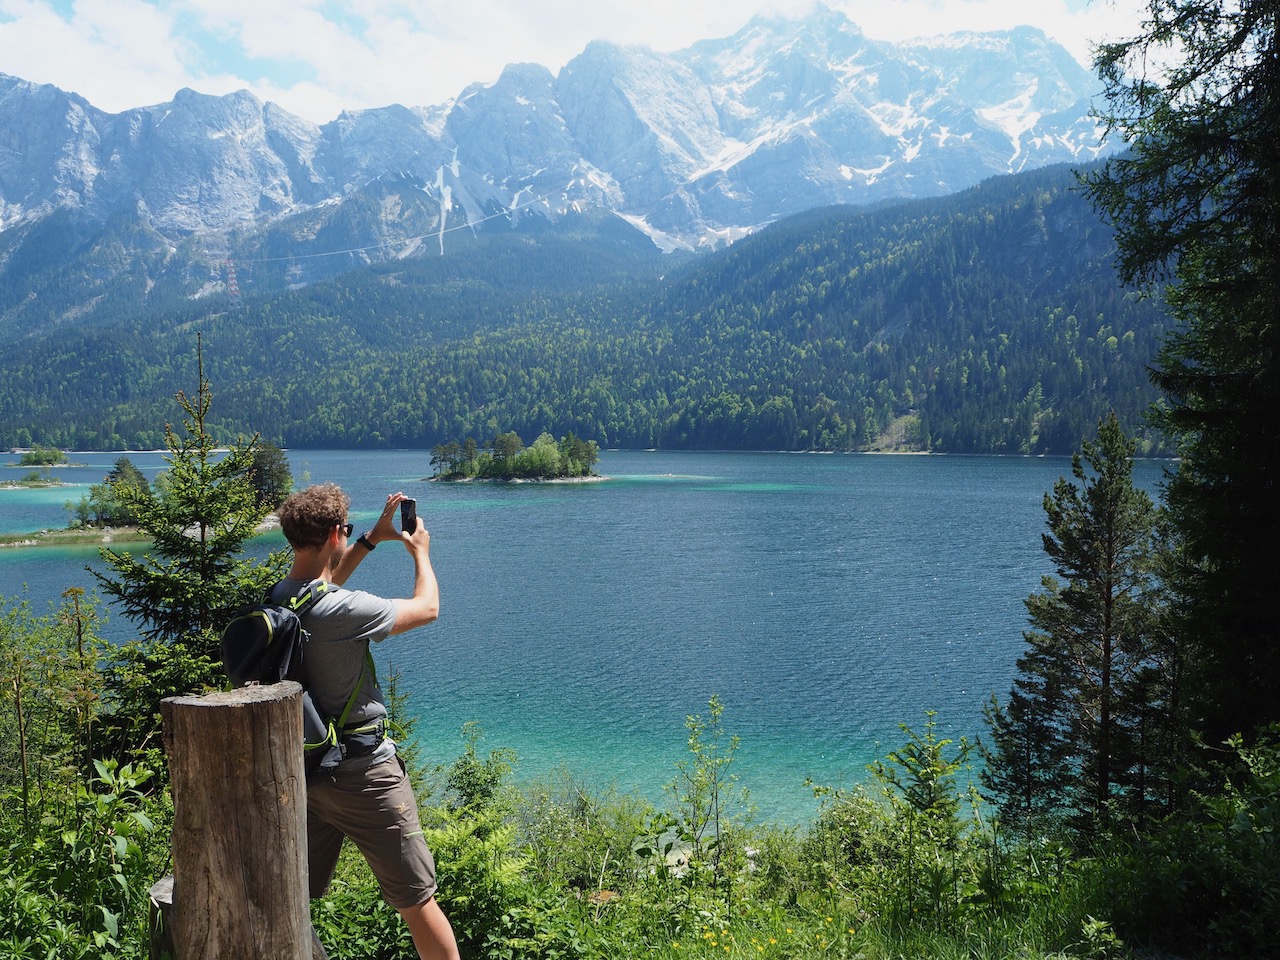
76 882
576 840
1209 881
355 923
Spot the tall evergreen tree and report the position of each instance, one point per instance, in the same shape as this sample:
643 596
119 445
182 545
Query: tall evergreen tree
201 514
108 508
269 474
1026 766
1069 740
1197 200
181 590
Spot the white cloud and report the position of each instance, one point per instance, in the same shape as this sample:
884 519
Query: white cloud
125 48
317 57
1076 24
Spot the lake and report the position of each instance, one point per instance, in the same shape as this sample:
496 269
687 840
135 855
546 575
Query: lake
824 598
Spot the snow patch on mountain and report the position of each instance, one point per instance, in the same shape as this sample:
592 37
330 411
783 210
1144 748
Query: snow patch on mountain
694 148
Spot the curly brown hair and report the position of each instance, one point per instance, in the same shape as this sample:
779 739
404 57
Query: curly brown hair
309 516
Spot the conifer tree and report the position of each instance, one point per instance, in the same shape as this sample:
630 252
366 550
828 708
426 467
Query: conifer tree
201 514
1197 200
1069 739
269 474
181 590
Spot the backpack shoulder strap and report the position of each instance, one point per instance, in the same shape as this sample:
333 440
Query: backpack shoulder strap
306 597
304 600
355 692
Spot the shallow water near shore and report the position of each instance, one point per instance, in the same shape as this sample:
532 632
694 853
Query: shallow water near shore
824 599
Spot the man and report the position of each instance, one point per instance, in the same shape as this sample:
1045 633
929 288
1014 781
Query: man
368 797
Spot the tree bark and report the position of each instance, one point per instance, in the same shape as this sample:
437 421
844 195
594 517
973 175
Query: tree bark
239 833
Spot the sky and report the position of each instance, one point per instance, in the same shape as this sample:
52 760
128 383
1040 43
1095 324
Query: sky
316 58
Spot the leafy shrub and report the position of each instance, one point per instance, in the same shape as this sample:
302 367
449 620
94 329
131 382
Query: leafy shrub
1210 881
578 840
355 923
76 883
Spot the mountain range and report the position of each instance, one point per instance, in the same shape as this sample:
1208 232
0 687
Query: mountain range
694 148
989 321
792 238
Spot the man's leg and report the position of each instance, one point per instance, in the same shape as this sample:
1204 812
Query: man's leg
324 844
432 935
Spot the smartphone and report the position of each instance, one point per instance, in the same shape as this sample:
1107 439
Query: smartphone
409 515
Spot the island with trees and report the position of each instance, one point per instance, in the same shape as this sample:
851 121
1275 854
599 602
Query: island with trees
114 502
508 459
111 510
41 459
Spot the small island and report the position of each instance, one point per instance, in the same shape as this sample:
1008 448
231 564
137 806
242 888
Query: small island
33 479
507 459
112 511
42 459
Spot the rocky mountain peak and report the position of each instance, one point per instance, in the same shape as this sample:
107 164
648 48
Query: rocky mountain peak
692 147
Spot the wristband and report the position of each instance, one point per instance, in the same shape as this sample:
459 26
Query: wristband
365 542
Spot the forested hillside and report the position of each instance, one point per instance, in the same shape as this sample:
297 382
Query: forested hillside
987 322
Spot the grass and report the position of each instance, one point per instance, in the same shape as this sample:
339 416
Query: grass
71 538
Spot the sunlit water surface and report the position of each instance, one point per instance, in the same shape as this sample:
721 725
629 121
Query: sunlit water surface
824 599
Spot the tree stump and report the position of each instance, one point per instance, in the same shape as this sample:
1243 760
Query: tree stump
239 833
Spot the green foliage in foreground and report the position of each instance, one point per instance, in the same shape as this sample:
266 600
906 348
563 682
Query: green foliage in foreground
906 865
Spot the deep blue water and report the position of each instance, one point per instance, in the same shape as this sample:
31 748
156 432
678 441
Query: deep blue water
825 599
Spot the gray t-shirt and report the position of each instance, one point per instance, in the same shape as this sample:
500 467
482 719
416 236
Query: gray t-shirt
342 623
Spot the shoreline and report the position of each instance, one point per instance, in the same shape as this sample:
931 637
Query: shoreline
101 537
32 484
595 478
72 538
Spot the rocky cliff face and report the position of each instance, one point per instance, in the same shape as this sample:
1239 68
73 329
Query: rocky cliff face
694 147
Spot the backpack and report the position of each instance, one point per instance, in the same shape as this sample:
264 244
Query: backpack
266 643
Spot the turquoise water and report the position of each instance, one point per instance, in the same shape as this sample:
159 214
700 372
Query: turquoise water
825 599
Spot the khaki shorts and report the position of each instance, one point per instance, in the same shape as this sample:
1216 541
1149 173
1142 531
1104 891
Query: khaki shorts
375 807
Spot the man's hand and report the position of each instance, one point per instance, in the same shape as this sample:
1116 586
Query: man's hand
385 528
424 606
